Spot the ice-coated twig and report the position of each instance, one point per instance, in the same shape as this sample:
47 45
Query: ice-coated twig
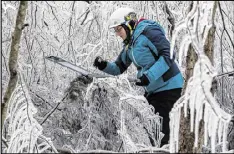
198 94
23 130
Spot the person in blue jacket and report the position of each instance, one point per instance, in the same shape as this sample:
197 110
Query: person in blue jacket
146 46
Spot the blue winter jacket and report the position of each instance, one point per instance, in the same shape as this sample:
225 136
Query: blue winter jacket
149 50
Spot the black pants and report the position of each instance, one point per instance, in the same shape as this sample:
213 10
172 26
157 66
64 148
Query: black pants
163 103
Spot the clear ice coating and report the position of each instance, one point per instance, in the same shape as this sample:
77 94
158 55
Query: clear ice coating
96 116
108 114
198 91
22 131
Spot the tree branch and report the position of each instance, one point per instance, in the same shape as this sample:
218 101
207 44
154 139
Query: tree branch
86 15
42 99
4 141
170 18
4 59
14 57
224 26
48 114
209 40
227 17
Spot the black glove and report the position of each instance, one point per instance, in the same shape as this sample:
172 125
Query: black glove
100 63
144 81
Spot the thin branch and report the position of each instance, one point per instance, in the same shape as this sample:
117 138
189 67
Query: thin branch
88 31
227 17
99 27
6 40
56 18
69 33
86 11
4 141
214 12
225 46
4 59
221 54
30 138
71 20
42 99
220 10
170 18
31 8
227 73
51 145
48 114
86 15
35 16
30 57
52 111
221 50
53 12
21 83
43 59
120 146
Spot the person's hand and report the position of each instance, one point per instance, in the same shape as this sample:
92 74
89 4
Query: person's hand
144 81
100 63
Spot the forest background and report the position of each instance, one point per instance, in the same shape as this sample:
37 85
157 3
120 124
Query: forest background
201 33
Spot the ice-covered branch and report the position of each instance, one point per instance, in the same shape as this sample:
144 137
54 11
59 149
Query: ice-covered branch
198 97
23 130
224 26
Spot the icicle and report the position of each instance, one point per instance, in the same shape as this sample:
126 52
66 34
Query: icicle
210 121
198 87
207 28
201 109
220 130
191 105
214 125
173 129
176 130
184 48
224 136
175 34
206 125
185 108
197 120
177 125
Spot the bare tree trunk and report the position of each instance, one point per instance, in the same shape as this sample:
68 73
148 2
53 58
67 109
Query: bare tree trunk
13 57
186 141
191 59
209 43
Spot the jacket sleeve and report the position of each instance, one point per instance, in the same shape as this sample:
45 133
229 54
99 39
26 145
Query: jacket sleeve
119 66
159 44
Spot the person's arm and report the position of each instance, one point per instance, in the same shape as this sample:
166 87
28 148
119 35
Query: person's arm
119 66
159 44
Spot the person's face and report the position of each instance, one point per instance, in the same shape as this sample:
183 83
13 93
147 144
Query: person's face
119 31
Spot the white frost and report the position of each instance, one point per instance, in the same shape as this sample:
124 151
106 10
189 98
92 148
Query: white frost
24 131
197 96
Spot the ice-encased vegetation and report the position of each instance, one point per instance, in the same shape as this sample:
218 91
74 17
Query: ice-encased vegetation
73 120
